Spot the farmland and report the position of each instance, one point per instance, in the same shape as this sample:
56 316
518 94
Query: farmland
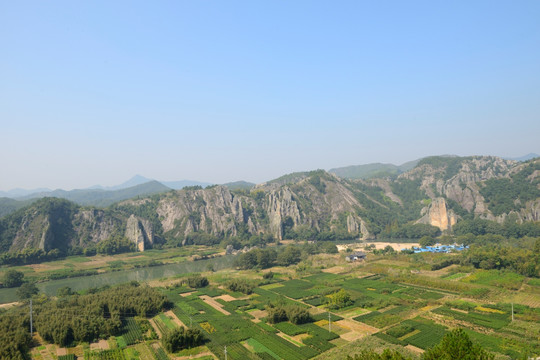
389 304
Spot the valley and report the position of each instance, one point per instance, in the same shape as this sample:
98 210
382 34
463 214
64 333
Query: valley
306 266
392 300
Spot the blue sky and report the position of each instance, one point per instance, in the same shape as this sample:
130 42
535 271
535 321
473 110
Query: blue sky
96 92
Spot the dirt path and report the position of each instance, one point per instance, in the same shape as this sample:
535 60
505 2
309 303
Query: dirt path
206 353
8 305
289 338
156 329
213 303
175 319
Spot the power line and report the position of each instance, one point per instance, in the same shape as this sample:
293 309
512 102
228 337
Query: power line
329 322
31 330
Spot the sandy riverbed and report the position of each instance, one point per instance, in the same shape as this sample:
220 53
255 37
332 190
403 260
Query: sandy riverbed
379 245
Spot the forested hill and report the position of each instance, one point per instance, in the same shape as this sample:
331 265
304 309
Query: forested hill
439 194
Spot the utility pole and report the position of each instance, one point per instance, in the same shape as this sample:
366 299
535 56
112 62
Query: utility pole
329 322
31 329
512 312
225 351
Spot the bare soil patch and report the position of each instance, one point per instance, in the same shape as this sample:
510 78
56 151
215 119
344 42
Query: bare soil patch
335 270
258 315
414 349
200 355
227 297
8 305
100 345
213 303
352 336
300 337
186 294
357 326
395 246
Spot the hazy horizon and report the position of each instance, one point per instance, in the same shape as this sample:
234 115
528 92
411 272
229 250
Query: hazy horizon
150 178
95 93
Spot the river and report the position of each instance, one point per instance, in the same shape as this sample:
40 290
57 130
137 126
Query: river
124 276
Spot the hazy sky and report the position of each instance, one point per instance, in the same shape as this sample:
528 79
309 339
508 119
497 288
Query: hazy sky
95 92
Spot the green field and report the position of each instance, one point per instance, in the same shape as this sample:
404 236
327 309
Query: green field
394 308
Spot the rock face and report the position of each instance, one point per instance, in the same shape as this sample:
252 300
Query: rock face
217 211
214 211
438 214
279 205
139 231
93 226
297 202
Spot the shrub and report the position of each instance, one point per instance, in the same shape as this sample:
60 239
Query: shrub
240 285
180 338
197 281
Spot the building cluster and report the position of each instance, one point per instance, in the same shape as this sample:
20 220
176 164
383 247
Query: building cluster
438 248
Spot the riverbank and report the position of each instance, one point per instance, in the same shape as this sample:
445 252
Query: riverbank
172 270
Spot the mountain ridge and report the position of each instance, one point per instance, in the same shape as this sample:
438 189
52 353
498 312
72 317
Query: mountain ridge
438 194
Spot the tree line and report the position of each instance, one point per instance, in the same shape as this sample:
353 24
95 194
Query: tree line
289 255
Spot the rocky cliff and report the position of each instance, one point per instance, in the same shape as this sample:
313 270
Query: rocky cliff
438 214
439 191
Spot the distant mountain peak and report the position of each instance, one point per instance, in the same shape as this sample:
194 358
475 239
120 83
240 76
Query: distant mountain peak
527 157
134 181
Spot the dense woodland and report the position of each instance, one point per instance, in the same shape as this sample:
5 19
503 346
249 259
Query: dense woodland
78 318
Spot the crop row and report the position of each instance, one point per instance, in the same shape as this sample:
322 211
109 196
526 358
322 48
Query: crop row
160 354
132 331
112 354
429 334
490 320
67 357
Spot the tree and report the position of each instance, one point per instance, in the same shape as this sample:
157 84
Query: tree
13 278
27 290
197 281
339 299
457 346
291 255
426 241
372 355
180 338
64 291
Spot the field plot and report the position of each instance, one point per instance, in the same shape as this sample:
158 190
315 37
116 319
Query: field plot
503 345
508 280
112 354
244 338
383 319
493 320
295 289
132 332
419 332
398 310
67 357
